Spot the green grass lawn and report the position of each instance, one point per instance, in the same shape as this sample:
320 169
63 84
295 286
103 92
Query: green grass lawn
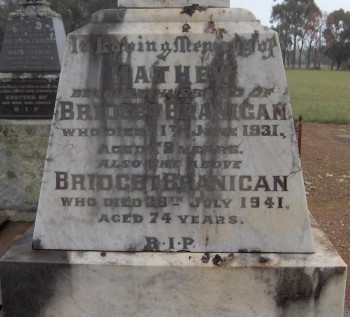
320 96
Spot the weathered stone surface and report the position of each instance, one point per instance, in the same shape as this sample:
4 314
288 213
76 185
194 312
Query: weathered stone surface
23 147
172 15
80 284
173 136
172 3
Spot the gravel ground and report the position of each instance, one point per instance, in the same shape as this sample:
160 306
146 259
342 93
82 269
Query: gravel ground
347 313
326 165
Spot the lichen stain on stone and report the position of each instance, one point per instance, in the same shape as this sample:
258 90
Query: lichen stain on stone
210 28
293 286
36 245
264 259
222 59
324 276
5 131
34 282
205 258
217 260
30 131
206 240
186 28
190 10
247 46
132 248
11 175
223 261
220 33
30 191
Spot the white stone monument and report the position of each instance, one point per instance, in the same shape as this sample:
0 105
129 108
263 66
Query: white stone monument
173 132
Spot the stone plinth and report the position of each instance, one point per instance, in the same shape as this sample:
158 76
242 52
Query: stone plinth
80 284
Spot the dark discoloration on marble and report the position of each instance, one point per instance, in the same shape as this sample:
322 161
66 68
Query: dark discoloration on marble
324 276
190 10
297 287
293 286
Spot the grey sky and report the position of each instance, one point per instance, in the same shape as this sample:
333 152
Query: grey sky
262 8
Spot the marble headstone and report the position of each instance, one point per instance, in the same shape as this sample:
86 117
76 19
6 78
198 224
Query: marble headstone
30 62
173 131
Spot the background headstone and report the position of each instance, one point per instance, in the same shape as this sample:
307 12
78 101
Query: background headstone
173 131
30 62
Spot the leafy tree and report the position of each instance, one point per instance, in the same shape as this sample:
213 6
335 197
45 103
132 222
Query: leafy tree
308 31
292 17
337 35
283 29
315 42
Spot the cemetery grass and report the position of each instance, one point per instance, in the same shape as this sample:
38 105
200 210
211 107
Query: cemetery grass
325 157
320 95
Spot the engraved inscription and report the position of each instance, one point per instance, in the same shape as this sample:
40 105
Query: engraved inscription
173 143
29 45
28 98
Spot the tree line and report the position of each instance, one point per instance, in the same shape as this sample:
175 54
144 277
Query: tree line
305 32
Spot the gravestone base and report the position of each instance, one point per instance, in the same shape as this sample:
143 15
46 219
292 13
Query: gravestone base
23 145
61 283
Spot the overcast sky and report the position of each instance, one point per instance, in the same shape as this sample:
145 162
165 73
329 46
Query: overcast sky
262 8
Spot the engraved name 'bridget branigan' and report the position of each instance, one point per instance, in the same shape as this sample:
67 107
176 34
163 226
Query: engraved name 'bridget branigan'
170 182
172 111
